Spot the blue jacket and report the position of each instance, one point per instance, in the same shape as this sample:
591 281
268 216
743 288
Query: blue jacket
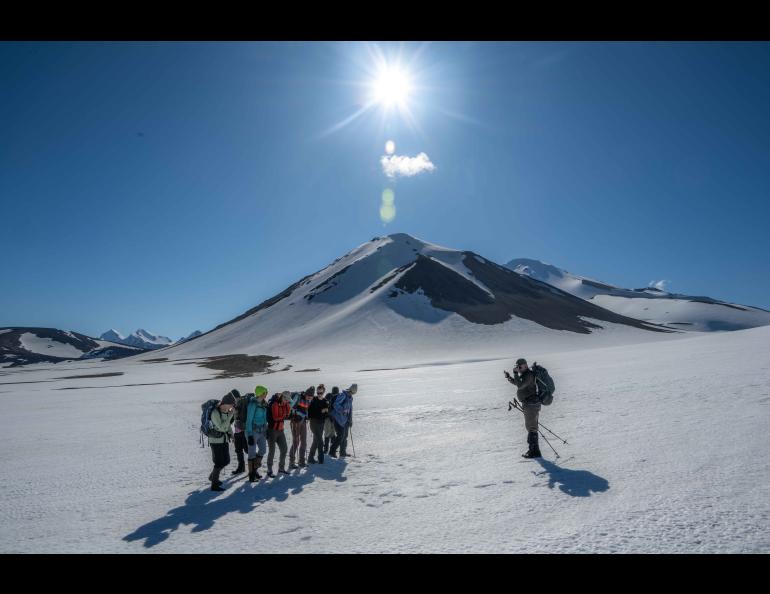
341 410
256 418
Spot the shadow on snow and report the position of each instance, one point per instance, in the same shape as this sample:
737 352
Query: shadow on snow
575 483
204 507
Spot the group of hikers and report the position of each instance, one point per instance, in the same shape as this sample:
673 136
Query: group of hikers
256 425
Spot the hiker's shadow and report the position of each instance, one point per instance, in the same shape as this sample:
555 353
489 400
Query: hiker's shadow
202 508
575 483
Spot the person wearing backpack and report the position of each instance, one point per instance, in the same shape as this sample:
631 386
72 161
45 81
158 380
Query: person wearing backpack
221 418
526 393
255 429
328 423
317 414
341 412
278 410
239 437
300 406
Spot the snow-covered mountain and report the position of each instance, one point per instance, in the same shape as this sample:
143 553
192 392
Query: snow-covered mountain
20 346
685 312
141 339
400 295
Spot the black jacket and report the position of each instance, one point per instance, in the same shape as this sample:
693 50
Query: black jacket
315 411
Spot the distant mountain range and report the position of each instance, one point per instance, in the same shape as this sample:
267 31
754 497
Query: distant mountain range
141 339
23 345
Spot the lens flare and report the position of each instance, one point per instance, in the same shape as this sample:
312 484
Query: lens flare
387 212
388 197
390 147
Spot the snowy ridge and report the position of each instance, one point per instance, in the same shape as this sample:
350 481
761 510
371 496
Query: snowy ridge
683 312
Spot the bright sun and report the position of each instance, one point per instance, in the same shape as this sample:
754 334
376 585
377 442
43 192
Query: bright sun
391 87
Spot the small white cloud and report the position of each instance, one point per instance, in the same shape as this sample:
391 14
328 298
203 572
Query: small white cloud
399 165
661 285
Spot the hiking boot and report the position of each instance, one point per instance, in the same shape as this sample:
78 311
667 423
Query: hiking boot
344 455
282 471
302 465
311 460
270 474
216 487
291 467
252 472
534 448
238 470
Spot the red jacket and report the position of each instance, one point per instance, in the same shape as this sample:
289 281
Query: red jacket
280 411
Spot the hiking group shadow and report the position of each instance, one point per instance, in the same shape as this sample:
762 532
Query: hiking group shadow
575 483
200 511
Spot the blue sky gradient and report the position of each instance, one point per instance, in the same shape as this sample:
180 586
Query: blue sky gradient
172 186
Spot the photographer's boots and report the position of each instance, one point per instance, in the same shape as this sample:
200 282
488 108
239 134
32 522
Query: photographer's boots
534 448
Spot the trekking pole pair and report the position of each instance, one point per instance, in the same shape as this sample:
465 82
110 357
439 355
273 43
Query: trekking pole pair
514 405
517 406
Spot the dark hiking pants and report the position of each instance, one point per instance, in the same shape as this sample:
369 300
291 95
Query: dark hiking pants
274 436
340 439
239 439
317 429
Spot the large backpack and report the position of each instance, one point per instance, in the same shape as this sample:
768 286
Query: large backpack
269 411
544 383
207 428
241 407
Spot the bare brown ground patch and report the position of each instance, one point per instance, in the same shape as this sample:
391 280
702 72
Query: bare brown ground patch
231 366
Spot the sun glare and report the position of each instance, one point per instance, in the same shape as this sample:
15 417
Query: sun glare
391 87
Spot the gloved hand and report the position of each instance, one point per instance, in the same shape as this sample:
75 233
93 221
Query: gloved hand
506 374
251 440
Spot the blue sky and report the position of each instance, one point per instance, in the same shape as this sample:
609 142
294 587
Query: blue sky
172 186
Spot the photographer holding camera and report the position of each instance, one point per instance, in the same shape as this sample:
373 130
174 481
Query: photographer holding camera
524 379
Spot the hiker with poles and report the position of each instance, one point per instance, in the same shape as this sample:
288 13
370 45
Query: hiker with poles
341 412
534 388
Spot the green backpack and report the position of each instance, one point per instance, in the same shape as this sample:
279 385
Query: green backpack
544 384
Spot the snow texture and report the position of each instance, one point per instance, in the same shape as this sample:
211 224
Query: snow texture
667 453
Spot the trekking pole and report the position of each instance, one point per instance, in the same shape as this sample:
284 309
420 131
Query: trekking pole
518 407
351 441
549 443
513 405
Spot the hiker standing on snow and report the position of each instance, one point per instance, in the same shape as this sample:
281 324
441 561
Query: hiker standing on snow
221 418
300 404
524 379
328 423
279 410
255 429
341 412
239 437
317 413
